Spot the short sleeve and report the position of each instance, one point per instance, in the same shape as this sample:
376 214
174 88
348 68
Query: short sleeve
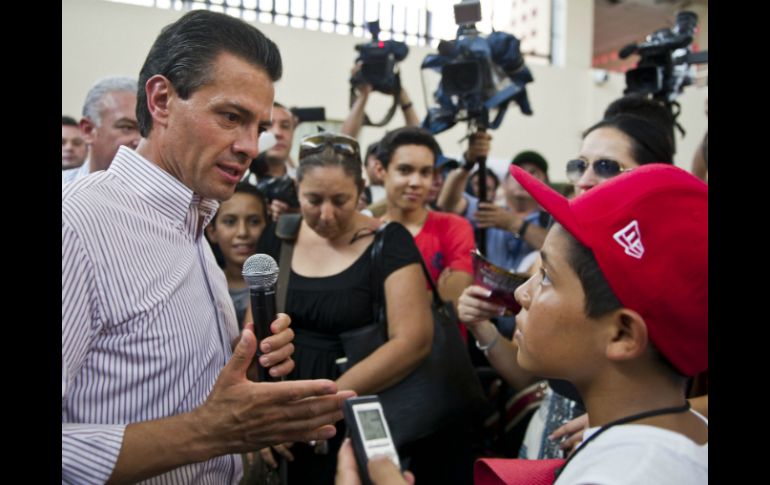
399 248
458 244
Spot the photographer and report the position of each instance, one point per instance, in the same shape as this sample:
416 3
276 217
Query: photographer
355 119
514 231
352 127
274 169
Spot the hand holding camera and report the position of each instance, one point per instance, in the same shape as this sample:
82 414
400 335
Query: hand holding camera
363 88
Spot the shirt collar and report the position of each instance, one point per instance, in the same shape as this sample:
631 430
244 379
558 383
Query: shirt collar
162 191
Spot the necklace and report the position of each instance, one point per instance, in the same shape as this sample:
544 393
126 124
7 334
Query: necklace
634 417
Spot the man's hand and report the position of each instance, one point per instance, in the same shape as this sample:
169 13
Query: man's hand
491 215
240 416
283 450
363 88
381 470
277 207
478 146
276 349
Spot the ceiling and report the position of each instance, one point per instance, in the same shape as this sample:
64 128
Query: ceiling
618 23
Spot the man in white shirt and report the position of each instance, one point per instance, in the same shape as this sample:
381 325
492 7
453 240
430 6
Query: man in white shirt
151 387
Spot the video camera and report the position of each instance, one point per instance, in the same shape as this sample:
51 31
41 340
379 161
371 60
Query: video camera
477 75
378 62
664 68
280 188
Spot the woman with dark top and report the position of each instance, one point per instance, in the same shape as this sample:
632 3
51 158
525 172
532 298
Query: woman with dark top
330 291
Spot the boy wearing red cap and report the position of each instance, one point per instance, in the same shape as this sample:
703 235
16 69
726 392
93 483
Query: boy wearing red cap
620 309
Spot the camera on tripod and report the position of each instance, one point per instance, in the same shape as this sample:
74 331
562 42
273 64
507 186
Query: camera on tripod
378 61
664 68
478 74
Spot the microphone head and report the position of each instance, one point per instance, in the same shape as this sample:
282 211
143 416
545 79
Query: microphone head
260 271
267 141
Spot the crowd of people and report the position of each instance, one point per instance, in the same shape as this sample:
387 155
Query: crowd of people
166 193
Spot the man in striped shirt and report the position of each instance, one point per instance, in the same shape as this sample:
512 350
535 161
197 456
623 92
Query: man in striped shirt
151 389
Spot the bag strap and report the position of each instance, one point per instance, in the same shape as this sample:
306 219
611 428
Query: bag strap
378 282
287 229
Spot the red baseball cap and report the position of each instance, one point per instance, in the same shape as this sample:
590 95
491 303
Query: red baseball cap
648 229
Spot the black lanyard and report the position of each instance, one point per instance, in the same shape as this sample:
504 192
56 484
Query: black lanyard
634 417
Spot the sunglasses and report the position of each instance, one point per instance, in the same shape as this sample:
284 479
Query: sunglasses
603 168
316 143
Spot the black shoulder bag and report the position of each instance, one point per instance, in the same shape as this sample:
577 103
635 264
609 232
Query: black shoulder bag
443 390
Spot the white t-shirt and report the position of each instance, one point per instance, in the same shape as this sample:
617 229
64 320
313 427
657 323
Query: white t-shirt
632 454
378 193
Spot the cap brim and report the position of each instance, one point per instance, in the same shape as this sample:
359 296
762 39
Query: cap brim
553 202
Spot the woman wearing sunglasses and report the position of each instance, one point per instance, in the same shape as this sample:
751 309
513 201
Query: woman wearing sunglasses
617 144
613 145
329 290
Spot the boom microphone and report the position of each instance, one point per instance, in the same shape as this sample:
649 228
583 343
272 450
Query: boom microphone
260 272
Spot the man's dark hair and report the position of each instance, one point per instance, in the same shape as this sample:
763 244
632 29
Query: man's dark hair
531 156
475 175
68 121
600 299
372 150
409 135
185 51
649 141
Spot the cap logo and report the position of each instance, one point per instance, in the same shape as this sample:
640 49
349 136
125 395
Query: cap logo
631 239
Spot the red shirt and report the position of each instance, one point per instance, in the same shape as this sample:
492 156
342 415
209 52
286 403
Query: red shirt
446 241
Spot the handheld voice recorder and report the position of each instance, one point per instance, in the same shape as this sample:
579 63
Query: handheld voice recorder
369 432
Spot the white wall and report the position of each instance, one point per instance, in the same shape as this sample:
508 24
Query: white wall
100 39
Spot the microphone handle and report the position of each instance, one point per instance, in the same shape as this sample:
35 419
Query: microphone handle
263 311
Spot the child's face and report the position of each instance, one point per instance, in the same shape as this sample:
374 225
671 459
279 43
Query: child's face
555 337
239 223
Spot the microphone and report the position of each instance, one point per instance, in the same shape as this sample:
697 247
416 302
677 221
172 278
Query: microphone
266 141
260 272
258 166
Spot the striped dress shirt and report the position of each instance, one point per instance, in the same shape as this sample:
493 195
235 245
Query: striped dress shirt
146 317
